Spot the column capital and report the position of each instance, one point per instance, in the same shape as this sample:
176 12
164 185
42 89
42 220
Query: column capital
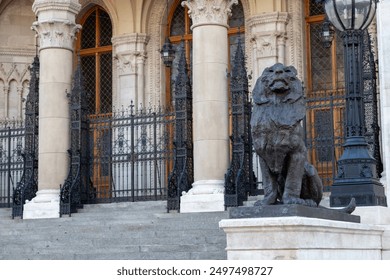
71 6
209 12
268 34
129 50
56 27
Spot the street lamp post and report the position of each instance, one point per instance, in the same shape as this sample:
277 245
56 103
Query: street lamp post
356 176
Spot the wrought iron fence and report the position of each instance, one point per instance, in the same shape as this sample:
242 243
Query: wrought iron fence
131 154
324 126
11 159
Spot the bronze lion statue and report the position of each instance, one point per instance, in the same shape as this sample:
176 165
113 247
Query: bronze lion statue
277 132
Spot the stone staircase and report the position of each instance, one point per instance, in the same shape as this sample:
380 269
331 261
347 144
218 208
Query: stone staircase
138 230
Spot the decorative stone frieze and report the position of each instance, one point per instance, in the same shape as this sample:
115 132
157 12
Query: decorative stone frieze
71 6
295 45
56 27
56 33
209 12
268 37
129 52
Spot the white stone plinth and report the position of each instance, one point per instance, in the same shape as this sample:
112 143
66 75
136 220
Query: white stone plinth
45 205
302 239
373 215
205 196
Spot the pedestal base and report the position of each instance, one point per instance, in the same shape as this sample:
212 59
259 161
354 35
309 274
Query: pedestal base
205 196
301 238
370 193
45 205
289 210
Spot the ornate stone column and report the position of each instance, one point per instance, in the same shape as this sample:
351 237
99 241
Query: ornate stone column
210 104
20 102
268 34
56 31
130 55
6 96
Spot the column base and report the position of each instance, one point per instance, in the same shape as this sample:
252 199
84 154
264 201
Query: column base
300 238
205 196
45 205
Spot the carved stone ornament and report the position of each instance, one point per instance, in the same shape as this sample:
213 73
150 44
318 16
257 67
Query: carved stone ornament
56 34
129 51
72 6
209 12
56 27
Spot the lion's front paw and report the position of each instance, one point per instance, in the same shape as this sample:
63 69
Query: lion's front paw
300 201
293 200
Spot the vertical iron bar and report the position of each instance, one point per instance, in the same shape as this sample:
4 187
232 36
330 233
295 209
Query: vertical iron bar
155 153
9 167
132 159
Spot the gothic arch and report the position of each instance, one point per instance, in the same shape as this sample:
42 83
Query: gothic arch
106 5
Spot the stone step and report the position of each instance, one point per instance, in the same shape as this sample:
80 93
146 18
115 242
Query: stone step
139 230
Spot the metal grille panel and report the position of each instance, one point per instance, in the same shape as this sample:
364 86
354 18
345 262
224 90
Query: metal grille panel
88 39
238 18
11 160
106 83
178 21
321 60
88 66
105 29
316 8
131 155
325 133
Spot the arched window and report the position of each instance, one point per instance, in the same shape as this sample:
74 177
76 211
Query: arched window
95 50
179 28
326 64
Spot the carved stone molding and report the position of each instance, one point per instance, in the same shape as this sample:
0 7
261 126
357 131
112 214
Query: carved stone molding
296 43
209 12
56 34
129 51
56 27
14 72
268 35
280 18
71 6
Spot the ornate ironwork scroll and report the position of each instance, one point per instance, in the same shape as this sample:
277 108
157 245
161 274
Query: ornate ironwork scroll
27 187
182 176
77 187
239 179
370 99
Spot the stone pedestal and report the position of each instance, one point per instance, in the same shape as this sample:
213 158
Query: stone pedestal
56 31
302 238
210 104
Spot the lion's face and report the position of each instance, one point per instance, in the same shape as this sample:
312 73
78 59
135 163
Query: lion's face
278 77
278 81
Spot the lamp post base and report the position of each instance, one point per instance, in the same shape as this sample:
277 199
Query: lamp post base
368 193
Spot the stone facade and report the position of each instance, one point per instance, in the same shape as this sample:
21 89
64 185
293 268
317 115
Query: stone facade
274 32
17 48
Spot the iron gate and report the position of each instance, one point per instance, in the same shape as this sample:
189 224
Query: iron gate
131 154
11 159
